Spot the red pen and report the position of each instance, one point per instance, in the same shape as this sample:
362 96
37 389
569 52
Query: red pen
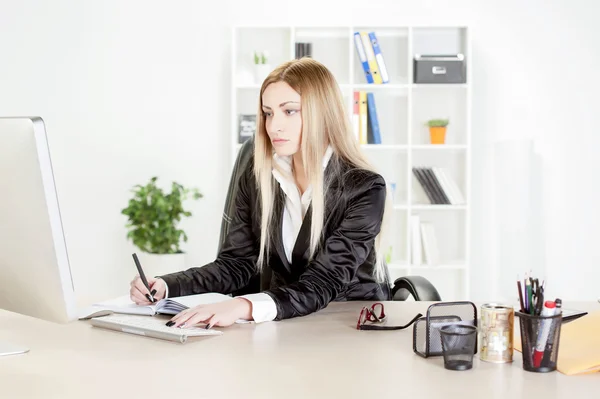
543 333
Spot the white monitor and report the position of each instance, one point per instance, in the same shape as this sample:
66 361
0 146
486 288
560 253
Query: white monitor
35 275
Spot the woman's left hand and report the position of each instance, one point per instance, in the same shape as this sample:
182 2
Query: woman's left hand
220 314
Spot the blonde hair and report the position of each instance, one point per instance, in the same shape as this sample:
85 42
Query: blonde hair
324 122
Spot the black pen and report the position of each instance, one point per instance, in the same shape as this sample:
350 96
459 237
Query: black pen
143 277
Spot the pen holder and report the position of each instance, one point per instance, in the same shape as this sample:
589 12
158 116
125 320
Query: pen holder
458 346
427 339
540 336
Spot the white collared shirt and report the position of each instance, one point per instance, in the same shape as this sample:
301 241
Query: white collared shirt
296 206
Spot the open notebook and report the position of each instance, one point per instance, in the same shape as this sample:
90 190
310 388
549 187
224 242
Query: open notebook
169 306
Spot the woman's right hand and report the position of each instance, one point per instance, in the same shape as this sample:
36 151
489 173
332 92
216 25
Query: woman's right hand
139 293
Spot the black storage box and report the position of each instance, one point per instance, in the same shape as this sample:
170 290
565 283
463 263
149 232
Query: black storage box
439 69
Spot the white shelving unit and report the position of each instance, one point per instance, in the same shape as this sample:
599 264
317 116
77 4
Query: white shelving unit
403 108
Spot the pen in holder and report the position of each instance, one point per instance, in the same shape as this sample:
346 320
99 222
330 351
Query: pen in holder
540 336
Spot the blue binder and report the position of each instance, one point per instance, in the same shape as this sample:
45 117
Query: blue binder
379 58
373 121
362 56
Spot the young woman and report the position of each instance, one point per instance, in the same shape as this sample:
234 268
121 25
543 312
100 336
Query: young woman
309 207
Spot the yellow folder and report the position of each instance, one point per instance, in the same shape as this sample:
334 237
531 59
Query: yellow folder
363 117
371 58
579 345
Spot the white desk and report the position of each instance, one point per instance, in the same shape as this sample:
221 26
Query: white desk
317 356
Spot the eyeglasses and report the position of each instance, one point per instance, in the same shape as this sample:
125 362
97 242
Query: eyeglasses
376 314
371 314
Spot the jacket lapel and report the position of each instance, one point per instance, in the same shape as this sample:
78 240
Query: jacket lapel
277 240
302 245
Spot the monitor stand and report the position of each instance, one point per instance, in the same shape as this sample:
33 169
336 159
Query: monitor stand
10 349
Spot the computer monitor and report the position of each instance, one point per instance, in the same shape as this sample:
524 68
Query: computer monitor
35 274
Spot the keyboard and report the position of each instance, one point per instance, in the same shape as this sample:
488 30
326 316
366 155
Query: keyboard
150 326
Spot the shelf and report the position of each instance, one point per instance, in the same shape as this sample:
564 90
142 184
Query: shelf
382 147
403 109
317 32
439 147
442 266
441 207
403 147
439 86
387 86
372 86
383 31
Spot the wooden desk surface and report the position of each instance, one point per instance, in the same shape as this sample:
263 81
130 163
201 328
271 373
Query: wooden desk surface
317 356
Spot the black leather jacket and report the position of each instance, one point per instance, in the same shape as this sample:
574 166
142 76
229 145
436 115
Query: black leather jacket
342 269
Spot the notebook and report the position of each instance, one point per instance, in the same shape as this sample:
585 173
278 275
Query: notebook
169 306
578 350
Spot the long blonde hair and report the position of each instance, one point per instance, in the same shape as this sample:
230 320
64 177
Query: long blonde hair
324 122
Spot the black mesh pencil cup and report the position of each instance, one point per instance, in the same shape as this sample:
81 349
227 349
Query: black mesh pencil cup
458 346
427 339
540 336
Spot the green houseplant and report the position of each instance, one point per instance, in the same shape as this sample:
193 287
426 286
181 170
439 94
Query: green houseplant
437 130
152 220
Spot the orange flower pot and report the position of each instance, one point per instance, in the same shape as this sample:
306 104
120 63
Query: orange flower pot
438 135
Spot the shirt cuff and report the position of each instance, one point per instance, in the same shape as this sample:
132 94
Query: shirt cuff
166 287
263 307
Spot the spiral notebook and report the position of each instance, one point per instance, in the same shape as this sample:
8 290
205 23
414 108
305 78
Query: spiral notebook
169 306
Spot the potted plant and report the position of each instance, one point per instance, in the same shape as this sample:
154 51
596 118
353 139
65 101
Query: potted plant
262 68
437 130
153 218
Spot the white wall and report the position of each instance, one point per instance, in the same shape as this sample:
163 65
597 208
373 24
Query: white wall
131 89
127 91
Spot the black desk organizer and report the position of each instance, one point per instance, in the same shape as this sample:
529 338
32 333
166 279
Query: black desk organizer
426 330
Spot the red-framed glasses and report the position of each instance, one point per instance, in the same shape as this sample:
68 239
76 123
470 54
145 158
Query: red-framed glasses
376 315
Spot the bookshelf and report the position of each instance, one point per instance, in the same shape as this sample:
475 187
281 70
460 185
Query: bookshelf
403 107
